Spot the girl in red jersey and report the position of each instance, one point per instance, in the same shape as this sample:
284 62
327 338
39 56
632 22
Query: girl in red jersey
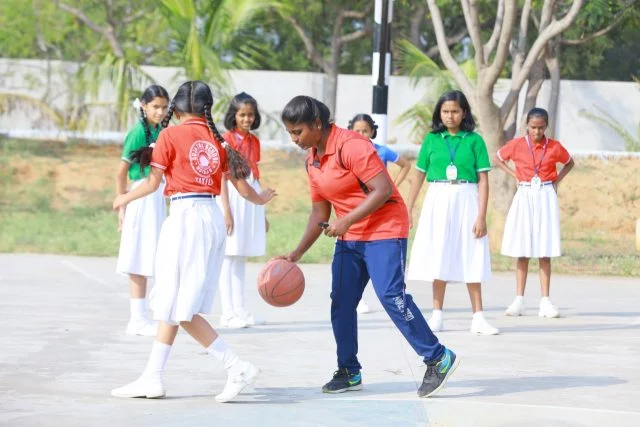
245 221
532 229
191 245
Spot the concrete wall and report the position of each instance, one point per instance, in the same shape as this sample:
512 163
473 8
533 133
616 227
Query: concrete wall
274 89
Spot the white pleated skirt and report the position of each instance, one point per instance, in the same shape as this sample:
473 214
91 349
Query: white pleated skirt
190 254
532 229
249 234
444 246
143 219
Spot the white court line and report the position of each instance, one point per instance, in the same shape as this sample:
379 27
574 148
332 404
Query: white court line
89 276
484 403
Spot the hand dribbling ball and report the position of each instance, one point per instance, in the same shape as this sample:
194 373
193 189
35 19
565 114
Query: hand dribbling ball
280 283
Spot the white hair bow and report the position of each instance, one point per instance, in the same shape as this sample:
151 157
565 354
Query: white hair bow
137 104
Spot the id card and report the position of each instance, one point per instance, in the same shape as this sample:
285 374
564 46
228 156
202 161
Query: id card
452 172
536 183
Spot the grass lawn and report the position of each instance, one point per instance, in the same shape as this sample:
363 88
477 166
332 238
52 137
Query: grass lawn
56 198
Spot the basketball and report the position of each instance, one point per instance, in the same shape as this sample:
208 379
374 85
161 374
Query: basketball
280 283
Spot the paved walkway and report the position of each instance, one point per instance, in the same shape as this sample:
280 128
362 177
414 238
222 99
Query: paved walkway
64 349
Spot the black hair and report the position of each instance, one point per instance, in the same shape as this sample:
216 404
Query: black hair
236 103
467 124
364 118
195 98
143 155
538 112
305 109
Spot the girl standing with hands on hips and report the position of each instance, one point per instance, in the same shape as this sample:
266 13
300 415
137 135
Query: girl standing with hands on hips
371 227
193 157
245 221
141 221
532 229
451 242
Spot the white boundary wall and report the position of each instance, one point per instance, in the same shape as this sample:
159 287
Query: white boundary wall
273 89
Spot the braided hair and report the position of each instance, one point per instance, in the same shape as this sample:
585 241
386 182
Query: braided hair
195 98
142 156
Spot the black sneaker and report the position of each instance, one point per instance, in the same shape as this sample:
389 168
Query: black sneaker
438 373
343 381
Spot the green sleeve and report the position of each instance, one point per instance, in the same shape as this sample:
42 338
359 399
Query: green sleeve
481 154
134 140
422 163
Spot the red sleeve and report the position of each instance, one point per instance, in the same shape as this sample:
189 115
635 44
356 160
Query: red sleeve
562 155
258 150
224 165
505 153
228 136
360 157
163 153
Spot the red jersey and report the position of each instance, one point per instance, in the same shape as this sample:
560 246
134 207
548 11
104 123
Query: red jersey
193 161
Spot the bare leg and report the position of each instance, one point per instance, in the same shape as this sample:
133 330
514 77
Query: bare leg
522 269
166 333
545 276
137 286
200 330
475 295
439 287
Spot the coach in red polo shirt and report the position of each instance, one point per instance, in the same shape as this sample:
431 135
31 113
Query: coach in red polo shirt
371 227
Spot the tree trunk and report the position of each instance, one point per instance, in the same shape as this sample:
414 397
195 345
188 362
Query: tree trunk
536 78
553 65
332 77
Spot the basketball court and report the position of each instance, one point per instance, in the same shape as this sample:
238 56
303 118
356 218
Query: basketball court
64 349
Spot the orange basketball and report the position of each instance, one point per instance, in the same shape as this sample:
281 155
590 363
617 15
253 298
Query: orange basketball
280 282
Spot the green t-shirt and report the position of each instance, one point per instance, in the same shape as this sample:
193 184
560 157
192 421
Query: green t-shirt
470 157
136 139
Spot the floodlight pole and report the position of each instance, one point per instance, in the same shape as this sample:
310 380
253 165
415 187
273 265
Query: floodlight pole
381 66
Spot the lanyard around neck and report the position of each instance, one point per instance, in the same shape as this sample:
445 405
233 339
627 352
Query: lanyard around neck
452 151
536 168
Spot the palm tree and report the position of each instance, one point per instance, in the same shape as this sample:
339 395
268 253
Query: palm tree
203 31
417 65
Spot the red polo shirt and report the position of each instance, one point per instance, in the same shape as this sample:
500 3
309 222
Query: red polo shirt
338 184
248 145
517 150
192 160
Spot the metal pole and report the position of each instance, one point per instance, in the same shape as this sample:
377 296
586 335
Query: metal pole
381 66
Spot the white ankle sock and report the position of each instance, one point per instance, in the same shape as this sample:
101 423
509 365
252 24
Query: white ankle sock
519 298
544 300
157 359
138 309
478 315
436 314
220 351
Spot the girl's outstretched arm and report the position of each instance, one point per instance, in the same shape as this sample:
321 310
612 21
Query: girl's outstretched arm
151 184
416 185
405 164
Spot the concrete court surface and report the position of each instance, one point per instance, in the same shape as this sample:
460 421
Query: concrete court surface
64 348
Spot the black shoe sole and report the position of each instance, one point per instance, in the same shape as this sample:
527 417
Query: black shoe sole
342 390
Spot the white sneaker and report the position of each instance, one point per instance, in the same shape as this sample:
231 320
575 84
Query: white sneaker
249 318
363 308
238 378
480 326
547 309
233 322
147 387
516 308
143 328
435 324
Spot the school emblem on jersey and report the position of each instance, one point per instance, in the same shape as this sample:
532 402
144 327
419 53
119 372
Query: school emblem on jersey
204 158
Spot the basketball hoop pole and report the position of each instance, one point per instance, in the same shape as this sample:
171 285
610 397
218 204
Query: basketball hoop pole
381 66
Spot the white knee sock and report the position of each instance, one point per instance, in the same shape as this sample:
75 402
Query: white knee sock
226 297
138 309
220 351
237 284
157 359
